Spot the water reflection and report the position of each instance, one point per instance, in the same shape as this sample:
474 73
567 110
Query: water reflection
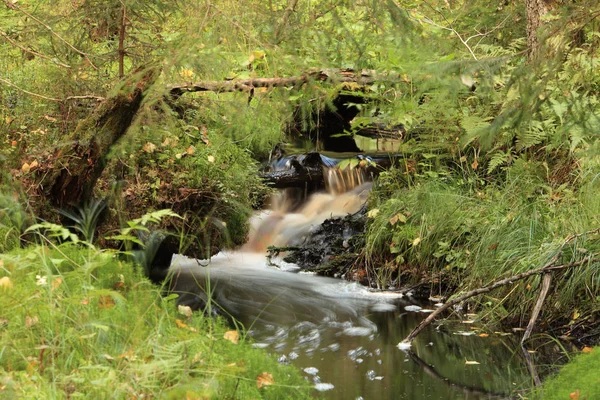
344 338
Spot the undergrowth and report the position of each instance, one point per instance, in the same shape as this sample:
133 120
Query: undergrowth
77 322
469 235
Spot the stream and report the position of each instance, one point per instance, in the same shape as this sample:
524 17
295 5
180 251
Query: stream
341 335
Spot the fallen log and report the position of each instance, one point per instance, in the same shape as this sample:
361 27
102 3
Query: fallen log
343 75
68 176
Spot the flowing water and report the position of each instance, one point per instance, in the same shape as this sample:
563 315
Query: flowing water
341 335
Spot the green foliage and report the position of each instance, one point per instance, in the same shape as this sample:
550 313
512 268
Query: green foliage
78 322
578 379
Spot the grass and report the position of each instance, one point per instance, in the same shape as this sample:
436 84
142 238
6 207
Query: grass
77 322
474 234
579 379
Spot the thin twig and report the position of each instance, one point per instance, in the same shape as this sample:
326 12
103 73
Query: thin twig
35 53
14 6
41 96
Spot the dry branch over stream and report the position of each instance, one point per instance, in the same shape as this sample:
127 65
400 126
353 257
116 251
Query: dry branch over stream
547 269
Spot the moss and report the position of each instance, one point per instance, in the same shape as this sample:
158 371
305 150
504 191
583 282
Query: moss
578 379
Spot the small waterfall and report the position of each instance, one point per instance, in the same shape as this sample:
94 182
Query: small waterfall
285 223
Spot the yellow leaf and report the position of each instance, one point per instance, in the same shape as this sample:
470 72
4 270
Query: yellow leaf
181 324
56 283
49 118
416 241
6 283
463 159
576 315
190 150
373 213
186 73
264 379
587 350
398 217
467 362
232 336
25 168
211 159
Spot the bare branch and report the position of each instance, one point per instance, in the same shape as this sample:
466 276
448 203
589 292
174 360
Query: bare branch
35 53
548 267
14 6
41 96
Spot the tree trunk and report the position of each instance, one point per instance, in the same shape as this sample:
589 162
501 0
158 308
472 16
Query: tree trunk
536 9
68 176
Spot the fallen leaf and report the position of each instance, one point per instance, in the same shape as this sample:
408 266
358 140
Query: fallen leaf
149 147
49 118
264 379
184 310
467 362
31 321
587 350
574 395
416 241
85 302
181 324
576 315
56 283
106 302
211 159
25 168
484 335
6 283
232 336
186 73
475 164
108 357
398 217
13 143
190 150
33 164
373 213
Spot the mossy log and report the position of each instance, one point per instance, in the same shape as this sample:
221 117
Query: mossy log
68 176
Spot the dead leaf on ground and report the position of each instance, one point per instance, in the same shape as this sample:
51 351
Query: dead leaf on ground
6 283
484 335
587 350
31 321
183 325
149 147
232 336
106 302
264 379
574 395
467 362
399 217
184 310
56 283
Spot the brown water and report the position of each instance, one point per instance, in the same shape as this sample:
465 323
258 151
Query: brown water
341 335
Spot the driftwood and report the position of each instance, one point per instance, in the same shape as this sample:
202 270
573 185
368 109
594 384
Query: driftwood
548 268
